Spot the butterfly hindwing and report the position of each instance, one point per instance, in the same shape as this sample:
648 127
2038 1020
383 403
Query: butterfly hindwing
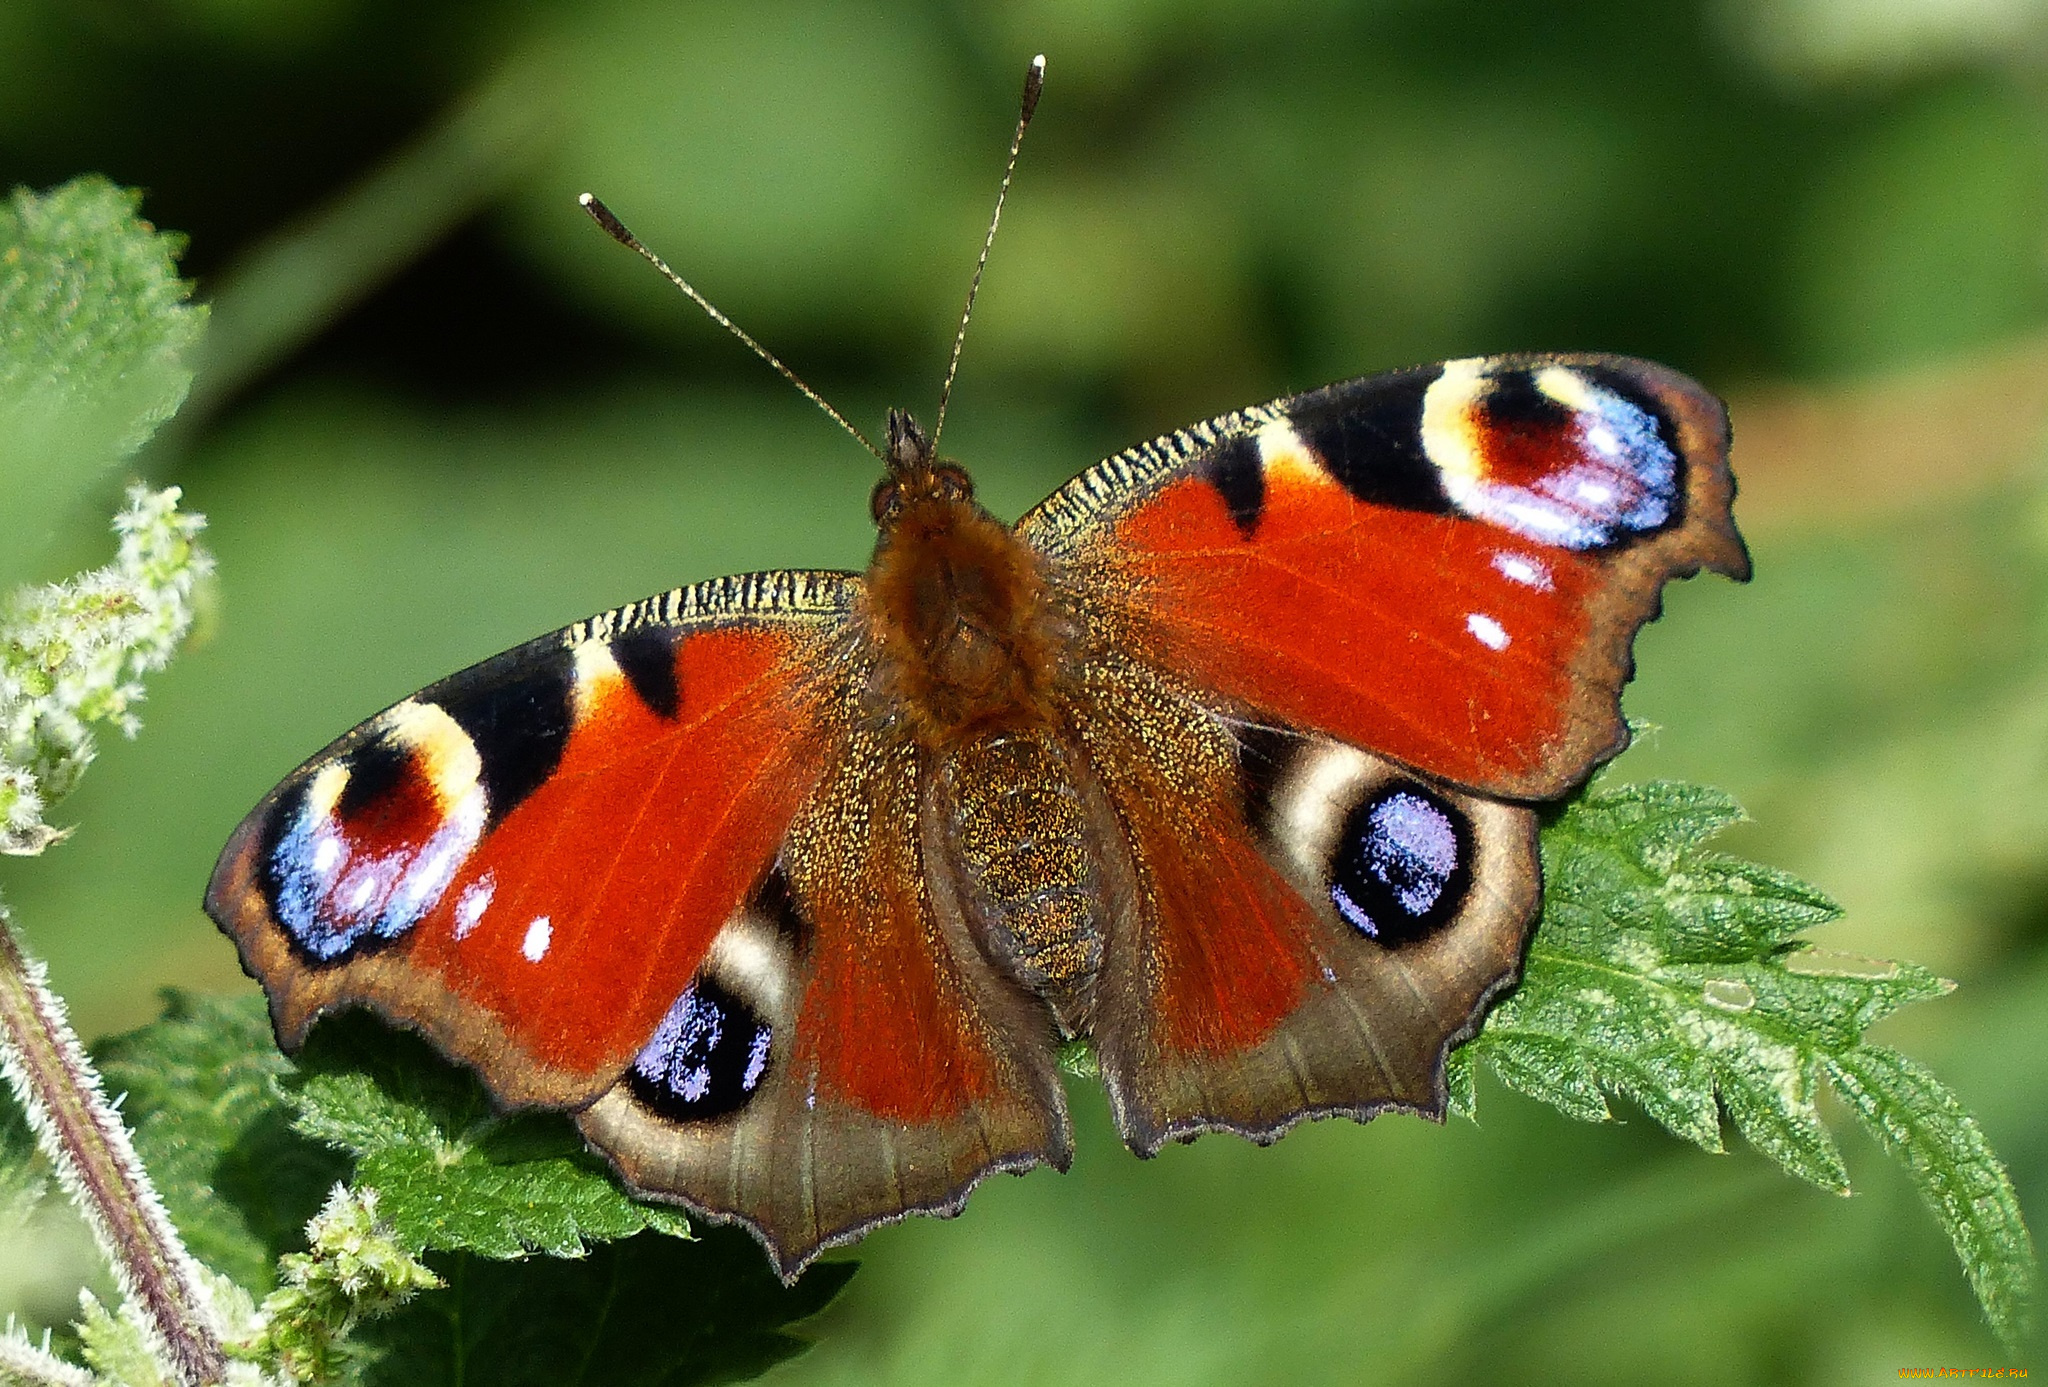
1446 565
1308 929
896 1068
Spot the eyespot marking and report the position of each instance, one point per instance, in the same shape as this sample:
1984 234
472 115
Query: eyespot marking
1403 864
706 1059
1555 454
363 847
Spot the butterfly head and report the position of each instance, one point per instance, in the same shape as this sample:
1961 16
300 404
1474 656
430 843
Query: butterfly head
918 477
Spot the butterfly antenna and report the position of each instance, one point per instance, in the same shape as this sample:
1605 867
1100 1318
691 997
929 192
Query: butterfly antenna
1034 83
616 229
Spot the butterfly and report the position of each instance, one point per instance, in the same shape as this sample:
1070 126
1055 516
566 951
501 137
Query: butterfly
790 887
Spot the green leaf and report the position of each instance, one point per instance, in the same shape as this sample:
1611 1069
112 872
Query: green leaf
451 1173
1673 975
1922 1124
646 1310
243 1144
96 337
202 1097
1461 1083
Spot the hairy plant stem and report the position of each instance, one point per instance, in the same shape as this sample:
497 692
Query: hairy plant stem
88 1144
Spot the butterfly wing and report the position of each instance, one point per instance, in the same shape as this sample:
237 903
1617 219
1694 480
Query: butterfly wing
1328 643
1307 926
1446 565
647 868
912 1071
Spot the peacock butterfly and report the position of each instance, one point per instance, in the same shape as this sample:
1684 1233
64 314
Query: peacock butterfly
789 886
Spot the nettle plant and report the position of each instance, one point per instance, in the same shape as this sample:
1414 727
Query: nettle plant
451 1240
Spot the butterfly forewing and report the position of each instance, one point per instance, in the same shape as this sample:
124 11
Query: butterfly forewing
528 861
1446 565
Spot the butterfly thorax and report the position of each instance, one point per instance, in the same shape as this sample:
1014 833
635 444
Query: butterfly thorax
966 646
958 613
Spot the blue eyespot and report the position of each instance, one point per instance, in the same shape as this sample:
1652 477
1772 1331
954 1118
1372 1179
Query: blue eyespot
1403 864
706 1059
345 873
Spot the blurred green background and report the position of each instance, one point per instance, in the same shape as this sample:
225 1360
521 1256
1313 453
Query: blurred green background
441 413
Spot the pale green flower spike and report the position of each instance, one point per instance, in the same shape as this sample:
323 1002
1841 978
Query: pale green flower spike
72 654
356 1267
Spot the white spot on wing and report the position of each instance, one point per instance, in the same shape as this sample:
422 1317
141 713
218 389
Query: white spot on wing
1487 631
1520 568
326 856
476 898
538 936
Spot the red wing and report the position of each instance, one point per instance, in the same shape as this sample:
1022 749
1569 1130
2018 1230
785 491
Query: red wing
1307 929
847 1055
529 861
651 868
1446 565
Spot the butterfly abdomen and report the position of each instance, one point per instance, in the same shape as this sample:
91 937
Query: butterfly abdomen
1029 882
